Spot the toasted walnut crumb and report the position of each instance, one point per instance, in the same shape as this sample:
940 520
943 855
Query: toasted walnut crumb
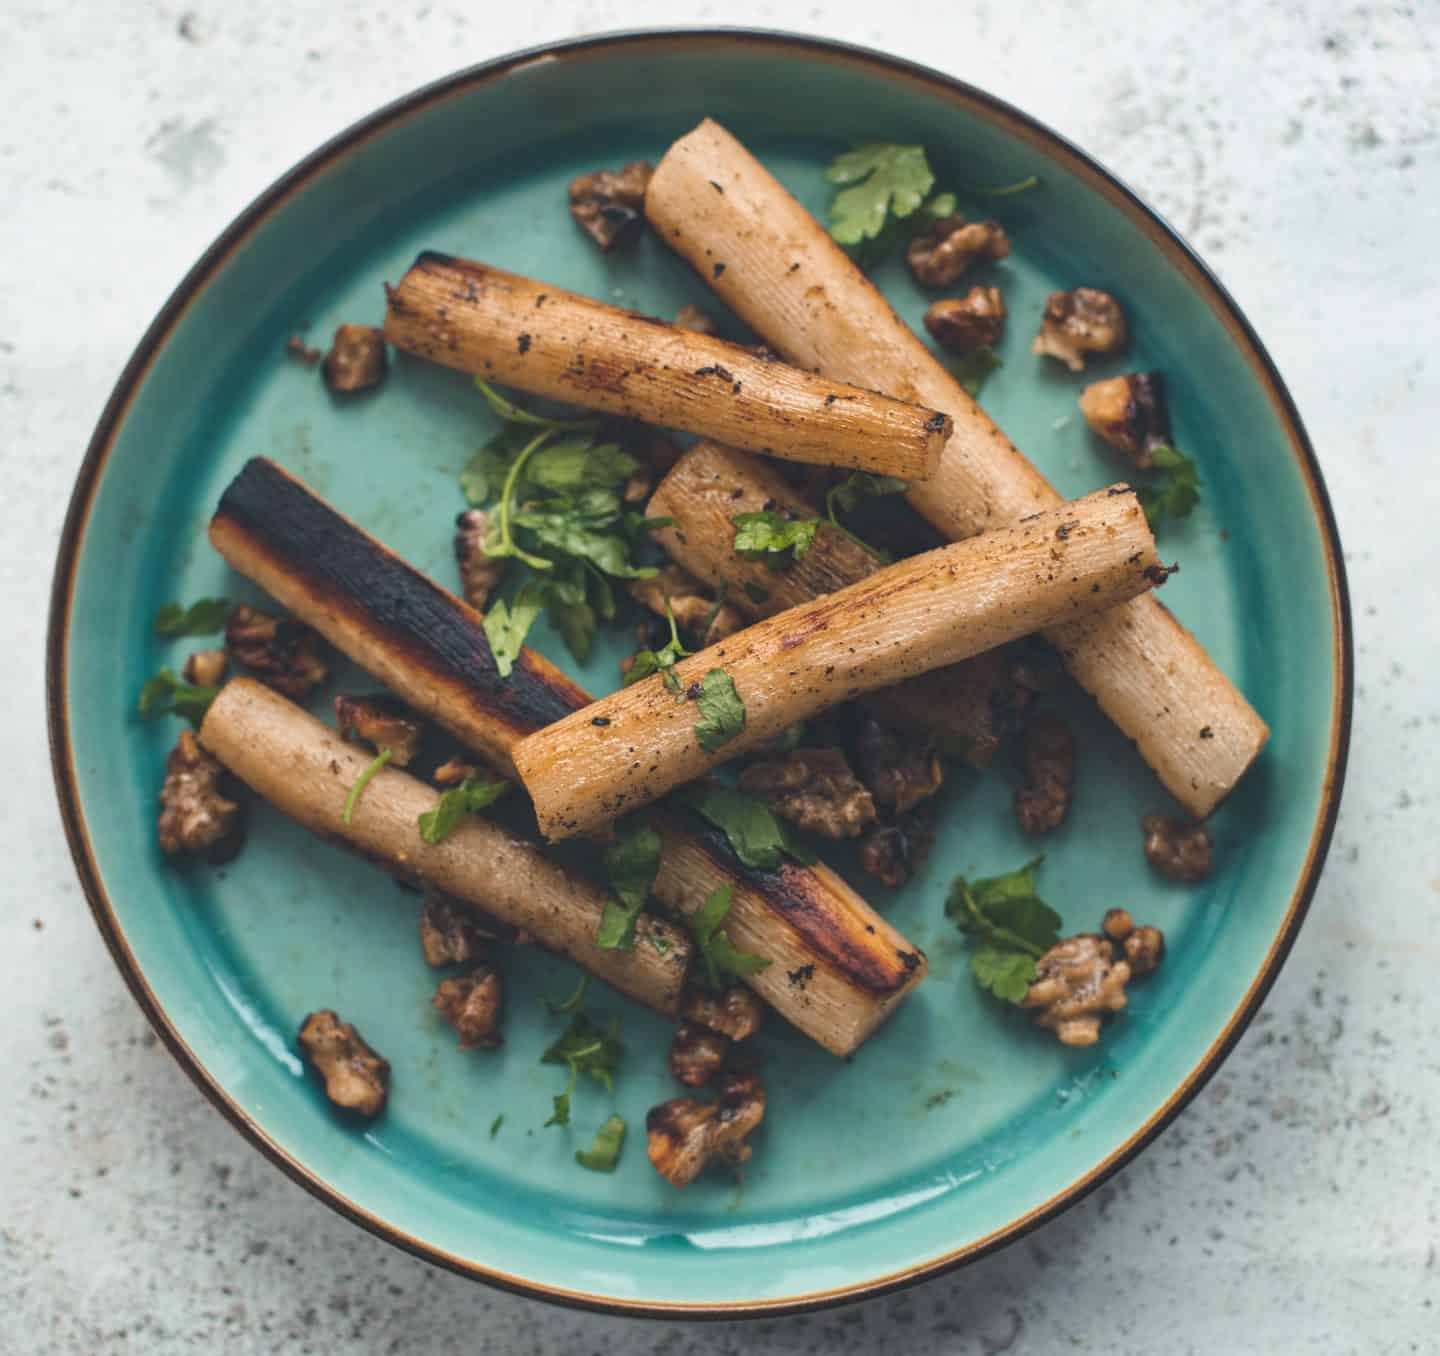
356 361
963 324
284 654
205 668
813 788
1047 758
893 853
736 1013
900 770
194 816
1178 850
691 603
480 574
1079 323
610 204
696 1054
451 934
382 721
940 255
1076 981
471 1004
356 1078
684 1135
1129 413
695 320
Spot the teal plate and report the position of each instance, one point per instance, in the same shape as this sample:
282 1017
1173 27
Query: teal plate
958 1127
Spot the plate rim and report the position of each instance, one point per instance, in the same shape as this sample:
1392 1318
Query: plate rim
208 267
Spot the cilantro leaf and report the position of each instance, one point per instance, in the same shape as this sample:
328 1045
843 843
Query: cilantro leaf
507 626
496 1124
716 957
166 695
357 788
880 181
859 486
757 836
1006 974
974 369
484 474
1178 492
574 1002
643 663
472 796
512 413
1011 925
722 713
580 463
584 1048
768 536
201 618
604 1153
632 861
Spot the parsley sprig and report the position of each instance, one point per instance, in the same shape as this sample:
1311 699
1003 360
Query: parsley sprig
632 861
662 661
166 695
202 618
584 1048
1178 490
757 836
717 959
778 540
1011 926
604 1153
473 795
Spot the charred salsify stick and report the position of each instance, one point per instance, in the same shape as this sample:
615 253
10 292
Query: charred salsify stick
851 967
306 770
923 613
796 288
703 492
555 343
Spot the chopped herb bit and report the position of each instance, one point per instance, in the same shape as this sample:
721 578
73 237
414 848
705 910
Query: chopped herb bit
166 695
361 782
496 1124
201 618
847 496
716 958
880 182
632 861
1005 190
1179 490
974 369
662 661
1011 926
604 1153
757 836
472 796
512 413
574 1002
771 537
722 713
709 619
584 1048
507 626
660 942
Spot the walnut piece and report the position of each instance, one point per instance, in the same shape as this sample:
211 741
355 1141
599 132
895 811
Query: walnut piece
452 934
356 1078
1076 981
1047 758
900 770
480 575
1178 850
690 601
356 361
471 1004
1144 947
939 256
684 1135
284 654
205 668
1077 323
736 1013
610 204
893 853
813 788
696 1054
453 771
963 324
1129 413
194 816
382 721
695 320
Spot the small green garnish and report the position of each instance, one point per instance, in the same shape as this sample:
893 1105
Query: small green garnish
1179 490
974 369
850 493
496 1124
507 625
880 182
757 836
722 712
768 536
1011 926
201 618
1005 190
584 1048
512 413
357 789
574 1002
644 663
472 796
166 695
604 1153
716 957
632 861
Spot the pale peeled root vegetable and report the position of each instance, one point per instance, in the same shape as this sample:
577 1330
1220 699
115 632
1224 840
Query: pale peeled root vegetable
428 645
703 492
931 610
306 770
796 288
558 344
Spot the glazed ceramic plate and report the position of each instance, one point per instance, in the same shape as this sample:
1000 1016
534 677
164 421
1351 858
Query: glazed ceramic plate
959 1126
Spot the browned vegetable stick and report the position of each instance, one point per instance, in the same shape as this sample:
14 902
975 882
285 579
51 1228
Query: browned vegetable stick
925 612
790 282
428 645
555 343
704 491
305 769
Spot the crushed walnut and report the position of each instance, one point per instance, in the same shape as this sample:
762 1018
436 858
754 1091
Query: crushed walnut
1080 978
696 1054
205 668
1129 413
963 324
283 653
194 816
1144 947
356 1078
480 574
610 204
690 604
939 256
893 853
1047 759
813 788
1078 323
900 770
356 361
695 320
471 1004
382 721
736 1013
453 934
1178 850
683 1136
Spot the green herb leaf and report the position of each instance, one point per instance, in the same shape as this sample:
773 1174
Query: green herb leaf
579 463
604 1153
716 958
484 475
588 1049
507 626
1178 491
768 536
512 413
859 486
974 369
1006 974
361 782
201 618
166 695
472 796
496 1124
574 1002
755 834
883 181
632 861
1011 924
722 713
662 661
1005 190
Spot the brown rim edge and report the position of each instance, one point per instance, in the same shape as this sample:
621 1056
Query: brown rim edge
209 265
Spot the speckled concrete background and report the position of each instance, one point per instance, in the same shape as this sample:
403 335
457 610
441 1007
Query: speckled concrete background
1292 1209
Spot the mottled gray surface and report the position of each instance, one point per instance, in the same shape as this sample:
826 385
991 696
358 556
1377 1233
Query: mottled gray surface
1292 1209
